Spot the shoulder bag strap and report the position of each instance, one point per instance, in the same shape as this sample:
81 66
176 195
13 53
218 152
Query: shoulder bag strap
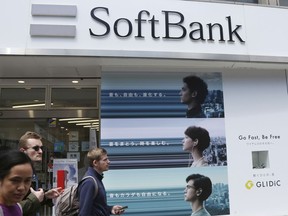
96 185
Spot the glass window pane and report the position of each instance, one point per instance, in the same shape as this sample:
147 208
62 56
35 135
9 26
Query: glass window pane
22 98
58 138
243 1
283 2
74 97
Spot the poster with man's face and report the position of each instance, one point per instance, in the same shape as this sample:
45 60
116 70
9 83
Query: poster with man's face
144 119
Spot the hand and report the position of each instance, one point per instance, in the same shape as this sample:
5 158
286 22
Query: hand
53 193
117 210
39 194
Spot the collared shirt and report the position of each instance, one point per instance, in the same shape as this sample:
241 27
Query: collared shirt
201 212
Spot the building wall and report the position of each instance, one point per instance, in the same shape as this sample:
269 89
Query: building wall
162 29
142 117
143 124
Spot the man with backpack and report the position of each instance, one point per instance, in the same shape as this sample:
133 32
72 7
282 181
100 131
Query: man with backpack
92 204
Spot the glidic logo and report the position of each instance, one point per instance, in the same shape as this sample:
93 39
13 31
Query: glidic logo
263 184
249 184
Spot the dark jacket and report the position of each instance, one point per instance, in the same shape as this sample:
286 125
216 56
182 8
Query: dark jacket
195 112
91 205
31 205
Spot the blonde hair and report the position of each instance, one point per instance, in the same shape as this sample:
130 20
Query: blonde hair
95 154
28 135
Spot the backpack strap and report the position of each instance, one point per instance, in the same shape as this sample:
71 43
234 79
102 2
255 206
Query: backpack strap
96 185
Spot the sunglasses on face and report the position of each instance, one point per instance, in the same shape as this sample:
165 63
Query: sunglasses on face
36 148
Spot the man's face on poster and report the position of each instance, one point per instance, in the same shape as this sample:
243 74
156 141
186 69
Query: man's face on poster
185 94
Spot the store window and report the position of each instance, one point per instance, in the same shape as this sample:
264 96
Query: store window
244 1
74 97
26 97
283 3
61 140
66 116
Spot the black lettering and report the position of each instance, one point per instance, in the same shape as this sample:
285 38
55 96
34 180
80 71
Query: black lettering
129 27
198 31
234 32
177 24
139 23
153 22
92 13
210 27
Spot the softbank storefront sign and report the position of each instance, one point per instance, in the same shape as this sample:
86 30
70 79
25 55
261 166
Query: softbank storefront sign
165 27
107 21
196 30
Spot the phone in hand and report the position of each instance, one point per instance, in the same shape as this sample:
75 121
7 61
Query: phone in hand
124 207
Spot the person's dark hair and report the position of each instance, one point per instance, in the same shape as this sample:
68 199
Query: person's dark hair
201 182
10 159
28 135
95 154
195 83
201 134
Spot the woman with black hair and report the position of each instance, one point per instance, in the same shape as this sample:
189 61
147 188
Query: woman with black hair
195 141
15 180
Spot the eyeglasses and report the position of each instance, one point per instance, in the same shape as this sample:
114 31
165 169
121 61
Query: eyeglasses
36 148
189 186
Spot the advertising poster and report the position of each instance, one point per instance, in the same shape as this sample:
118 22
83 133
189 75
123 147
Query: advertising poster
161 191
71 170
147 126
160 95
256 105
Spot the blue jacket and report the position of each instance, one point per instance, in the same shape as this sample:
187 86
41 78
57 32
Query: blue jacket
89 204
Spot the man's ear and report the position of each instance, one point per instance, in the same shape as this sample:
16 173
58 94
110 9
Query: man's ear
199 192
95 164
22 149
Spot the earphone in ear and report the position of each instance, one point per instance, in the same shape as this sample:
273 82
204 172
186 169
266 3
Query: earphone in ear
199 191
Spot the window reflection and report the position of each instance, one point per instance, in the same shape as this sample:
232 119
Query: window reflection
73 97
22 97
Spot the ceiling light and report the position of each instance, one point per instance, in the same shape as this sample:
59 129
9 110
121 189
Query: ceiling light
84 121
95 123
21 81
72 119
75 81
29 105
92 127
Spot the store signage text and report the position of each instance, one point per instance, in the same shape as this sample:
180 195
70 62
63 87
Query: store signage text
275 183
196 31
263 184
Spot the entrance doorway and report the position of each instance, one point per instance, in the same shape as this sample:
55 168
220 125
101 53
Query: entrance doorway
65 114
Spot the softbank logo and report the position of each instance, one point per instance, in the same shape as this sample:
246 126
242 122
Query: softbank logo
249 184
47 27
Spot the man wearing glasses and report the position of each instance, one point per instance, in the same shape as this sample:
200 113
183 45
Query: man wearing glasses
30 143
198 189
